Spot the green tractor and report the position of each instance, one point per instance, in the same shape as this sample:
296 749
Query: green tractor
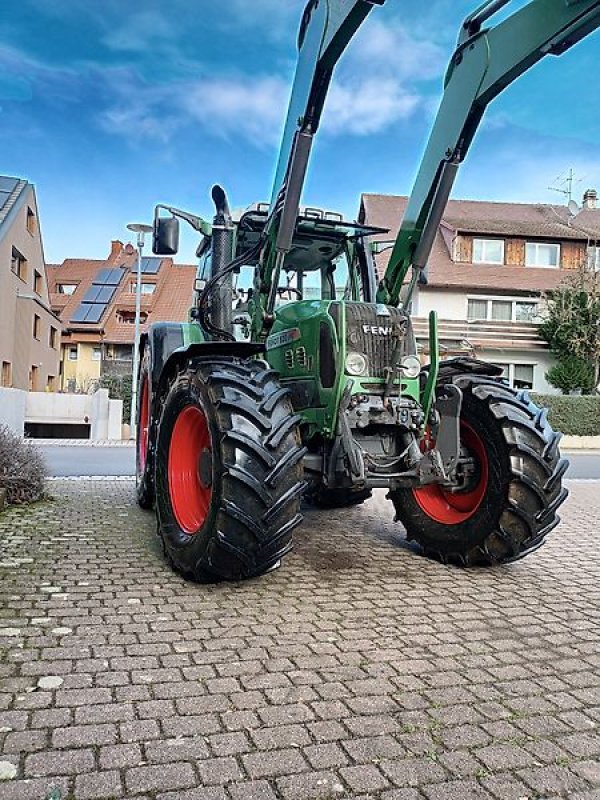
298 376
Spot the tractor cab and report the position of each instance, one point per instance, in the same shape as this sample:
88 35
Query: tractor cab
328 259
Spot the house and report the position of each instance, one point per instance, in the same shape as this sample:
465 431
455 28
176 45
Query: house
490 264
29 330
95 300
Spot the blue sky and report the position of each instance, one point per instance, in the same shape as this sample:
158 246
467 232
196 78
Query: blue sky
109 107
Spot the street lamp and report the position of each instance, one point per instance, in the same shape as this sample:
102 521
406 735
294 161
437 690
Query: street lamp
141 230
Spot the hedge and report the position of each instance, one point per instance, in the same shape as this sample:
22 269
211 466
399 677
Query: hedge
574 416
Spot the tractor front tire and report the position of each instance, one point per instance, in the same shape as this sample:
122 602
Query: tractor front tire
144 483
229 474
510 505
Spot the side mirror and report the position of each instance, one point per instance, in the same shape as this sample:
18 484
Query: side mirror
165 236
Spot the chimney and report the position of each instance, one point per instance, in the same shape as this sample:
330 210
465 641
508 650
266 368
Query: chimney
590 198
116 248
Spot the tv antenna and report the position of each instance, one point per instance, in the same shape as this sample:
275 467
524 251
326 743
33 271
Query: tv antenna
565 183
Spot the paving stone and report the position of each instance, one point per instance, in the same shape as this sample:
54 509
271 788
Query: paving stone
413 772
274 762
84 735
281 736
252 790
305 684
219 770
325 756
33 789
552 779
98 785
120 755
160 778
310 786
181 748
364 778
199 793
456 790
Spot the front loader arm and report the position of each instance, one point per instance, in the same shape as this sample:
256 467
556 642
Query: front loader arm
486 61
327 28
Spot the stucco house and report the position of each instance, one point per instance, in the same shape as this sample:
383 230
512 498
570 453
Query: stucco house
29 330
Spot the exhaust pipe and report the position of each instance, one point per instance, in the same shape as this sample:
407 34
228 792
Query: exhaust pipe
222 253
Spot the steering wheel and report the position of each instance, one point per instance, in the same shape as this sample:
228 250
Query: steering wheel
281 290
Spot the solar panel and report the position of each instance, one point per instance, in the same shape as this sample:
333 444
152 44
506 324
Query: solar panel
150 266
89 312
108 276
99 294
8 184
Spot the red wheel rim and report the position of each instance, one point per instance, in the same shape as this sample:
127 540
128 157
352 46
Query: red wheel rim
190 497
144 423
453 508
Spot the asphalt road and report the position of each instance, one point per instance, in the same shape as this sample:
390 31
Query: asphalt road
83 460
65 461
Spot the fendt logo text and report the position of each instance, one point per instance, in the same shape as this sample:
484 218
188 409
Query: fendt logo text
378 330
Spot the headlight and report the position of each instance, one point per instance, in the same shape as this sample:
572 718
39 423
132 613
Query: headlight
411 366
356 364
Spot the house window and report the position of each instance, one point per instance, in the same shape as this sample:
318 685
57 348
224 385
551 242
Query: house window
146 288
37 323
488 251
483 309
51 383
477 309
18 264
96 354
31 225
52 337
73 352
519 376
539 254
33 378
594 258
6 374
501 310
66 288
525 312
129 316
523 376
37 282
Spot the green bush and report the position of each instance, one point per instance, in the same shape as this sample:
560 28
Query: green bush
119 388
574 416
571 373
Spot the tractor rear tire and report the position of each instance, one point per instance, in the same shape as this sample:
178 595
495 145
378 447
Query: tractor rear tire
229 475
510 506
144 483
336 498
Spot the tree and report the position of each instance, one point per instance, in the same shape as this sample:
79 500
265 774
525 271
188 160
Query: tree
571 324
571 373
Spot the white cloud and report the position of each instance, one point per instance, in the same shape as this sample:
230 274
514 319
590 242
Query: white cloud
367 107
388 47
142 32
252 107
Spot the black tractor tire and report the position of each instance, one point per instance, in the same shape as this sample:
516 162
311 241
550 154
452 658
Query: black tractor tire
229 474
144 457
336 498
512 508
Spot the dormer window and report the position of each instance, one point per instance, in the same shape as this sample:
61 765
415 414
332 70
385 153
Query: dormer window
488 251
542 254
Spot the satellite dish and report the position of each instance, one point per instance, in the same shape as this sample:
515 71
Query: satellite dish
573 208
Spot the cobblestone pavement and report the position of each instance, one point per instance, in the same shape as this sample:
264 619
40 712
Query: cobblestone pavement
357 670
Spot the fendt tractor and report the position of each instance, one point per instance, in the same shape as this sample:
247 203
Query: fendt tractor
305 382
